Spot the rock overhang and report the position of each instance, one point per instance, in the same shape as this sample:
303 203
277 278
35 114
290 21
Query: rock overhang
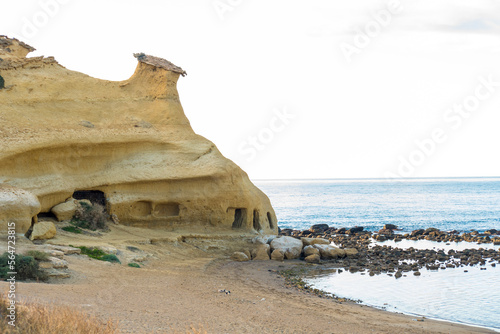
63 131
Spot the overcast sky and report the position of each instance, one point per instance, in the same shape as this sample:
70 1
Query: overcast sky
303 89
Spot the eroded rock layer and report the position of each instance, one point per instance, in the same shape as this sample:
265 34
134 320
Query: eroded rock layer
125 144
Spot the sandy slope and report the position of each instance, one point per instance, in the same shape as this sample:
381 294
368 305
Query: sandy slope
179 287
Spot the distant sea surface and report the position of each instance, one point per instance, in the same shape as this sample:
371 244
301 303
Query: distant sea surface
460 204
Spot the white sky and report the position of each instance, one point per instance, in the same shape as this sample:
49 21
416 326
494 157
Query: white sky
249 60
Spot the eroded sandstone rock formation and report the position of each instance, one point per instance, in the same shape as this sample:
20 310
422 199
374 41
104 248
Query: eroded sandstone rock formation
125 144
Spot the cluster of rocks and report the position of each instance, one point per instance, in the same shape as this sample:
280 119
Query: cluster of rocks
377 259
311 250
389 232
56 266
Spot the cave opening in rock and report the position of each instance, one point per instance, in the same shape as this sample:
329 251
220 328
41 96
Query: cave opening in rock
2 82
34 220
240 217
165 210
256 220
94 196
270 220
46 216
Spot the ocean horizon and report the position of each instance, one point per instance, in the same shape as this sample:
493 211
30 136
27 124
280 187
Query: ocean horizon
461 204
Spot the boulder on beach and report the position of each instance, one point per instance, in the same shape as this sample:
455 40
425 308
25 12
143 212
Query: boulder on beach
314 241
310 250
18 208
262 252
314 258
265 239
329 251
43 230
239 256
277 255
291 247
350 251
66 210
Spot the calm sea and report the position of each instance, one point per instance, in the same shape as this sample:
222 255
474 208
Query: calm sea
448 204
461 204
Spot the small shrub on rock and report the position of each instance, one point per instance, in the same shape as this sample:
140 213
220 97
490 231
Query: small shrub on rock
90 217
94 253
98 254
37 255
110 258
72 229
26 267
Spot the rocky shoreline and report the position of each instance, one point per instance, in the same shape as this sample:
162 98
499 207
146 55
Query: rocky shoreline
383 259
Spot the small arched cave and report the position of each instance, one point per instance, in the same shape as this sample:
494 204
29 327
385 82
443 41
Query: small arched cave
94 196
164 210
256 220
270 220
141 209
240 218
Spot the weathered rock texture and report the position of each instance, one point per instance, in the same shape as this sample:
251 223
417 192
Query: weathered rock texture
125 144
17 208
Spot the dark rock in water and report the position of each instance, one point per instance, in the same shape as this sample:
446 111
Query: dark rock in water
319 228
390 227
385 231
430 230
417 233
341 230
355 229
416 273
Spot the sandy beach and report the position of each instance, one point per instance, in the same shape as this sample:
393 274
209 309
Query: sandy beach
178 287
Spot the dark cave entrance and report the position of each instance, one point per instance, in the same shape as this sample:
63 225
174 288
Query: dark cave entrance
240 217
256 220
94 196
270 220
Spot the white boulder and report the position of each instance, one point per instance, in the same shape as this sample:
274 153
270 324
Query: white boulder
291 247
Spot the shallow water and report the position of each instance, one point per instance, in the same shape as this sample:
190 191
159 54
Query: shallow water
471 297
427 244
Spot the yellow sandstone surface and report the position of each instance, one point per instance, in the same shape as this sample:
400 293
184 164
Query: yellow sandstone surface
127 145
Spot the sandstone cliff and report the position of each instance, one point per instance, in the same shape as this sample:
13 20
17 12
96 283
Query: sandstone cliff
126 144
